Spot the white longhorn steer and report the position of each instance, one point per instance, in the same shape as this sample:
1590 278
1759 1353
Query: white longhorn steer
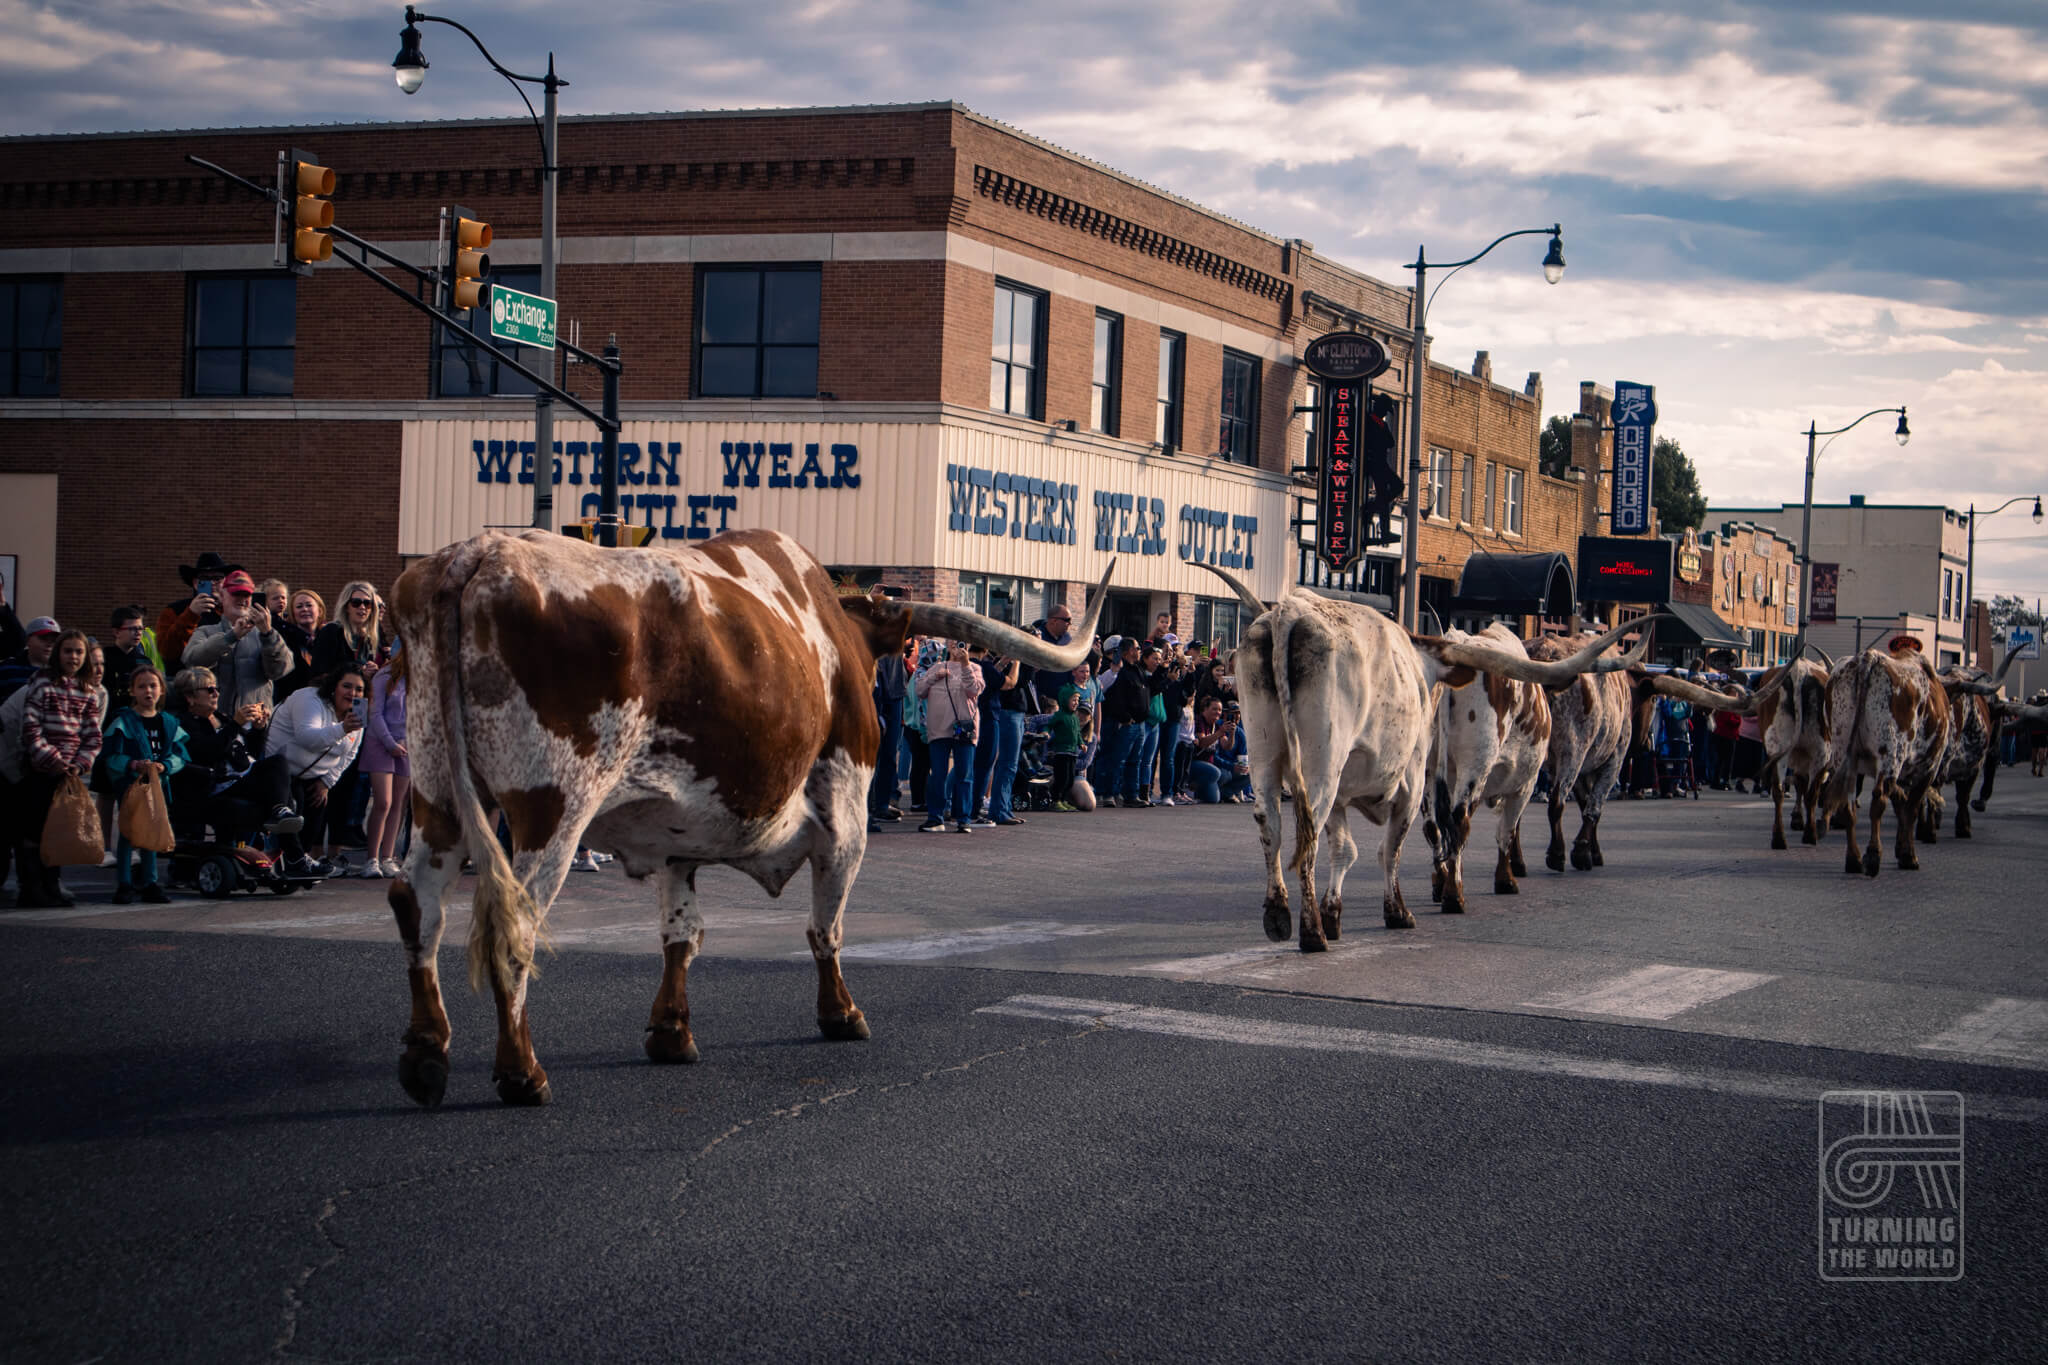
1336 702
1489 744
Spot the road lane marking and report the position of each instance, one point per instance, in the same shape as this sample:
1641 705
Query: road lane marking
1654 992
1217 962
1223 1028
2013 1029
925 947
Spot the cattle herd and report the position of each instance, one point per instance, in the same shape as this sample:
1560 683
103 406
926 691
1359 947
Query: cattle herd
680 708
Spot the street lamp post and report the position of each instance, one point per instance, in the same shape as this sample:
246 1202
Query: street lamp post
1806 520
410 67
1970 565
1553 271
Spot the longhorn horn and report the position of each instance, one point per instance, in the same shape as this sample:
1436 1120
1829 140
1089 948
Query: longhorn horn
1826 662
1706 698
931 618
2012 710
1989 687
1237 585
1522 668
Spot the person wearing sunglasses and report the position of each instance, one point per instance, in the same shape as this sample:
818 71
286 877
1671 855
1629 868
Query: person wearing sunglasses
355 637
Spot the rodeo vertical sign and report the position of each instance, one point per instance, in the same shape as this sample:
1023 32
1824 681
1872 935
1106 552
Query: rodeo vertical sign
1635 416
1346 362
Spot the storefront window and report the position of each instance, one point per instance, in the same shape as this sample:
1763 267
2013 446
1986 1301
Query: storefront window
1014 601
1220 618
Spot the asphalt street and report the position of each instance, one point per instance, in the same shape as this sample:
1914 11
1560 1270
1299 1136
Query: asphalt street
1100 1117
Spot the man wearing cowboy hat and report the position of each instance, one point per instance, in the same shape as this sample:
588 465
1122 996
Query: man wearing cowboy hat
179 621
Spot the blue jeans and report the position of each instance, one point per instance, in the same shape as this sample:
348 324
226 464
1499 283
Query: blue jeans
985 757
122 850
1140 759
1109 757
1213 782
882 791
952 775
1002 782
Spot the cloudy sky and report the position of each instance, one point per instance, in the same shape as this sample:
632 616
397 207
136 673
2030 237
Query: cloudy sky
1776 213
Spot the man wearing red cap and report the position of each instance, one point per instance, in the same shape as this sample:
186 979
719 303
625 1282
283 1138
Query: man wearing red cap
244 649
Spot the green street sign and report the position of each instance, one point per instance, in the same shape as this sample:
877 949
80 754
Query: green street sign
527 319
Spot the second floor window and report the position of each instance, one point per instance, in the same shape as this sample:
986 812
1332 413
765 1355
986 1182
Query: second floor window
1173 348
1107 394
1466 466
1486 496
465 369
31 337
1016 351
1511 501
1238 435
1312 403
757 331
1440 483
244 329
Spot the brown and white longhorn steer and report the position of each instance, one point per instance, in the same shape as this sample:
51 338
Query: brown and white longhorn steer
1591 727
1889 721
672 707
1972 733
1337 708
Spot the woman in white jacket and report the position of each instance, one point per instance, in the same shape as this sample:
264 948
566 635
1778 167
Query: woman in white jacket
318 730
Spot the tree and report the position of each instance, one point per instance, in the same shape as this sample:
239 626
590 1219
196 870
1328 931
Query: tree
1554 447
2008 611
1675 488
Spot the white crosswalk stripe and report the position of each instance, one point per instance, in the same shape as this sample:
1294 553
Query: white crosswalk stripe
1223 1028
1654 992
2008 1029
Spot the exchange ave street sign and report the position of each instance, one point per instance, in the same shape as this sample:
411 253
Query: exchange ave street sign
527 319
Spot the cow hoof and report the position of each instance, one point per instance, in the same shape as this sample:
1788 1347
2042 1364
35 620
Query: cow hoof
1777 840
1809 837
1963 834
1517 866
1314 945
1977 805
1436 883
669 1043
1871 862
1279 922
1505 886
1333 920
1913 866
1454 902
1399 918
524 1091
1598 861
1582 860
1554 860
851 1027
424 1076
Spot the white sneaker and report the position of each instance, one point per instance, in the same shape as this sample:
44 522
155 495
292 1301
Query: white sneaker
602 858
370 869
393 868
1165 800
107 858
586 863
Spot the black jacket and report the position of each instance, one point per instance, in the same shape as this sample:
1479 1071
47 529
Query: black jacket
1129 698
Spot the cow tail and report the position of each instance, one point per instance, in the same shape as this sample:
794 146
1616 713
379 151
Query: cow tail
1283 688
503 911
1845 704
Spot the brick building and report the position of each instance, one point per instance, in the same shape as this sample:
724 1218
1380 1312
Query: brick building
947 356
1747 576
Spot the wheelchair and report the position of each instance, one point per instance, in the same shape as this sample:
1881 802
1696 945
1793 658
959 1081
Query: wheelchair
214 857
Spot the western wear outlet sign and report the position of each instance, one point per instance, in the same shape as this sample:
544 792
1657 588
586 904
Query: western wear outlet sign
883 494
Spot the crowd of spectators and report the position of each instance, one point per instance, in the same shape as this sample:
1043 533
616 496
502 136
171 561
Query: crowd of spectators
265 722
977 738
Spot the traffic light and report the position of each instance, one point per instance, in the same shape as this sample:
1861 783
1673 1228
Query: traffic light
467 263
312 212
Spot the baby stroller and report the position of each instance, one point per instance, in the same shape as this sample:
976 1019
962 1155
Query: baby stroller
1032 789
